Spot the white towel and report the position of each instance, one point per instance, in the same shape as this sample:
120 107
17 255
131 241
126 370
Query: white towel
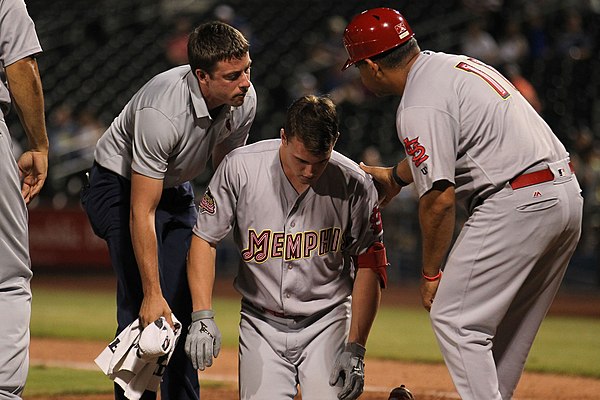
156 340
138 369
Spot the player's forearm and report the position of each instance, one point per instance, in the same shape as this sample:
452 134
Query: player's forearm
201 273
28 99
366 295
437 218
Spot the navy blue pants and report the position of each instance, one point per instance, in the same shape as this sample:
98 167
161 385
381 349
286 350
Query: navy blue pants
106 201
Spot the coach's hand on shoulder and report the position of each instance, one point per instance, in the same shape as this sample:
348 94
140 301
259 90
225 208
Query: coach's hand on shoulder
350 368
203 340
384 182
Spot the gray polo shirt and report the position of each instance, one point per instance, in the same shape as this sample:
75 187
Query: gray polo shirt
165 131
17 40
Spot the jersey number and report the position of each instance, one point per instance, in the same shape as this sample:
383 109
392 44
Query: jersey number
486 77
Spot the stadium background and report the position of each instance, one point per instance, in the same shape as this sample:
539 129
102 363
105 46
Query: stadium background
97 54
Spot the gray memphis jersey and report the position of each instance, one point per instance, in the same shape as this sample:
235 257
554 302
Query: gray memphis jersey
462 121
166 132
295 249
18 40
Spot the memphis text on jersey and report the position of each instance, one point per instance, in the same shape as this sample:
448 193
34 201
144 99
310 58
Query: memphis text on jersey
290 246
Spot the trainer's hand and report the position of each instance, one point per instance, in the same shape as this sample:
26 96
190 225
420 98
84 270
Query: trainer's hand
350 368
154 307
384 182
203 340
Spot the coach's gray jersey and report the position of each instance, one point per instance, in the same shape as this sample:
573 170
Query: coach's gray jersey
166 132
15 23
295 248
495 135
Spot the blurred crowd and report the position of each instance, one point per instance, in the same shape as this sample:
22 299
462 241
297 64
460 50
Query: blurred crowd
548 49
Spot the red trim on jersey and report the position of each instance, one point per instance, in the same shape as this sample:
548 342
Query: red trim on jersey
486 77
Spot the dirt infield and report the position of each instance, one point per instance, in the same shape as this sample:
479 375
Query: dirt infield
426 381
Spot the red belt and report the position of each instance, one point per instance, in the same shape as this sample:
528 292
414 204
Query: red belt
534 178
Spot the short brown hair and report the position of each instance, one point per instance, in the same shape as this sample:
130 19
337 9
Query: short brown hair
215 41
313 120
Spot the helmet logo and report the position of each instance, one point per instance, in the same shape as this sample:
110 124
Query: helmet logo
374 32
401 30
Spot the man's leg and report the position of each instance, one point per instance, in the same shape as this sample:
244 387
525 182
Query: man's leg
480 280
106 202
15 276
15 312
516 333
264 370
321 343
493 258
174 223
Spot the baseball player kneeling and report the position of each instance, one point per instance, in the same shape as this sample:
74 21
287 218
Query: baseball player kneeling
308 228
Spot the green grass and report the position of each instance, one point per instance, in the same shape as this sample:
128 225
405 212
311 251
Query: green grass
85 315
78 314
403 334
566 345
73 314
64 381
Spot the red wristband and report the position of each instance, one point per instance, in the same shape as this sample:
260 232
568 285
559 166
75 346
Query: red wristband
432 278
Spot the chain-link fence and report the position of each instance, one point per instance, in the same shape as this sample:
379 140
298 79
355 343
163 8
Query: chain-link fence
97 54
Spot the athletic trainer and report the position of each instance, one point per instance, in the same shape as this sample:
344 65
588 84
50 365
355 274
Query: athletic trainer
139 197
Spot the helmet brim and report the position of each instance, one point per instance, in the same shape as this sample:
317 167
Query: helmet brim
348 64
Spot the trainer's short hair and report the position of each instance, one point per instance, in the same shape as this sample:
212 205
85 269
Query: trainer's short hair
215 41
313 120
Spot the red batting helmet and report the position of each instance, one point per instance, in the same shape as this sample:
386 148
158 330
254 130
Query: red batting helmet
373 32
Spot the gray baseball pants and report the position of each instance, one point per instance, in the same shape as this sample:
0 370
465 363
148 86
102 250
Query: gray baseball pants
15 275
499 281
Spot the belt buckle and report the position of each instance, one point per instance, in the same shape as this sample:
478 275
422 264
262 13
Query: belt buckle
562 170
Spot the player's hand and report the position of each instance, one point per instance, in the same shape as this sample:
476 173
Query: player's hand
384 182
428 291
154 307
350 368
203 341
33 170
